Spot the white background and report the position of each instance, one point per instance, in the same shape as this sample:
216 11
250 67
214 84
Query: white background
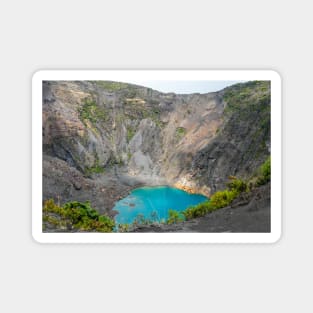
159 34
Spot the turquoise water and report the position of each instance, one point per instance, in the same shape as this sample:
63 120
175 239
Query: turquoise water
153 203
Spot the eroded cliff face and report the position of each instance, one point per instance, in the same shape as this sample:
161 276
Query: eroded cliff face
242 142
101 139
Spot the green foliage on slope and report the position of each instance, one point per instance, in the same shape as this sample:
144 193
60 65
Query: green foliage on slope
218 200
92 112
198 210
95 169
237 184
248 96
111 86
75 216
130 133
174 217
248 102
223 198
265 172
180 132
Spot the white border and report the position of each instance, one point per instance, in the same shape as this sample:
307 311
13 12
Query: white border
124 75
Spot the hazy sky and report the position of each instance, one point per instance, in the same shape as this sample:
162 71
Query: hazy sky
185 86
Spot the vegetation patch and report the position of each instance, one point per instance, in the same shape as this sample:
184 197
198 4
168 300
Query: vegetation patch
218 200
198 210
117 160
75 216
175 217
180 132
264 173
130 133
111 86
247 97
126 90
92 112
140 219
237 185
248 107
138 109
129 155
154 115
223 198
95 169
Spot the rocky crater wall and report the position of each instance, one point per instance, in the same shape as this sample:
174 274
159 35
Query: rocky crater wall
101 139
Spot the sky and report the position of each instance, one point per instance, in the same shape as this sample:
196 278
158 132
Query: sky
184 86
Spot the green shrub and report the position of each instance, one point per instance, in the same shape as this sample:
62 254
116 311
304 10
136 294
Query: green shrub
265 172
266 169
130 134
50 206
180 132
218 200
238 185
223 198
97 169
198 210
174 217
92 112
79 216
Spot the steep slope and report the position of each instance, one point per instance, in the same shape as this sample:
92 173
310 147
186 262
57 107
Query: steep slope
101 138
249 213
243 142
